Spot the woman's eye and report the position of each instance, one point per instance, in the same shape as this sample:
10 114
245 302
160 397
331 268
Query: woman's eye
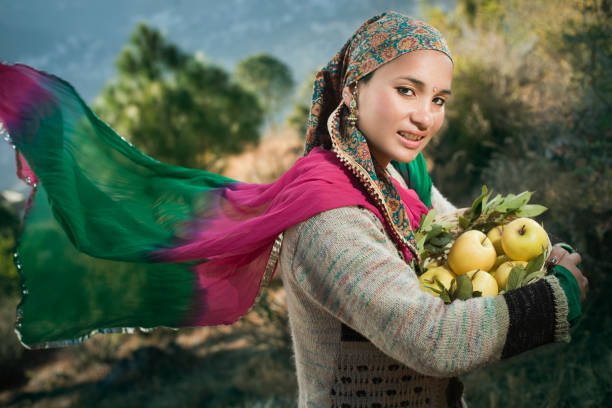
405 91
439 101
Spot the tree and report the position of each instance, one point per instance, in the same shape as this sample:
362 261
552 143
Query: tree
298 118
175 106
268 78
532 97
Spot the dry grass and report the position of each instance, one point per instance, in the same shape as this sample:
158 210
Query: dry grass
247 364
264 163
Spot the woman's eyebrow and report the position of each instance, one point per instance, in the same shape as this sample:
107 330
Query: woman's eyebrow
421 84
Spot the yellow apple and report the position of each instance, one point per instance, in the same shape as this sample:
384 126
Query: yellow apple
523 239
483 282
500 260
471 250
441 273
430 264
495 235
502 272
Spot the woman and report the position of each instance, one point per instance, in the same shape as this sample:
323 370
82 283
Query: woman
363 332
114 239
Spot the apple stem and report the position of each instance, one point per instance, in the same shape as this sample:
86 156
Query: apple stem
522 230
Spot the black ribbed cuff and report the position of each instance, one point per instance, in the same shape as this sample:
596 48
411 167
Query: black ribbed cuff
532 317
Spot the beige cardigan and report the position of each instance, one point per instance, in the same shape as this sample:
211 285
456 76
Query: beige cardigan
365 335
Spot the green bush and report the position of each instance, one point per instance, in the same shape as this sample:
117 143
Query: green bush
533 112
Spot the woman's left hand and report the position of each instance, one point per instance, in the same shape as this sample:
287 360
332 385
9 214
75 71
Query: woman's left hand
560 256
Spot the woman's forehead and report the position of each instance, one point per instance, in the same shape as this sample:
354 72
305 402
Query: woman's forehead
422 66
386 38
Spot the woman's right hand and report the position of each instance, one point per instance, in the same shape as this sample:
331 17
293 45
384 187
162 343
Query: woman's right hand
560 256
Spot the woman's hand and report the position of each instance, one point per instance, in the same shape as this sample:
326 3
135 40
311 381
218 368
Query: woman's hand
560 256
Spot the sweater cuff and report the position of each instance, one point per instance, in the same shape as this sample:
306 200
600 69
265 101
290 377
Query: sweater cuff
569 284
537 316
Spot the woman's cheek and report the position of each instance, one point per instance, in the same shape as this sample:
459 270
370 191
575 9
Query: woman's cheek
438 121
384 107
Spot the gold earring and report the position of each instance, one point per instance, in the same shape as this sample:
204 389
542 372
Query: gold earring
353 108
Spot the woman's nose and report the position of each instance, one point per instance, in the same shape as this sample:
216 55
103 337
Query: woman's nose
422 118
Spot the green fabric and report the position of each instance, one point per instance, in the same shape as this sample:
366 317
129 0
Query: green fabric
572 292
101 214
83 297
415 174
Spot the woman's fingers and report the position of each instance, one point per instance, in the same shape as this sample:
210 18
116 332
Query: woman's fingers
570 262
556 255
585 285
560 256
575 258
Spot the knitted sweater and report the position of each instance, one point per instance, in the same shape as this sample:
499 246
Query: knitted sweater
365 335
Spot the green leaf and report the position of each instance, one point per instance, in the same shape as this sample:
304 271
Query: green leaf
491 205
532 276
464 221
421 243
442 239
515 278
476 208
426 220
464 288
536 263
453 287
445 298
512 202
530 210
435 230
431 248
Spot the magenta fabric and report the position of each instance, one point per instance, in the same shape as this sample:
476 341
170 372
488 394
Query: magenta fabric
237 240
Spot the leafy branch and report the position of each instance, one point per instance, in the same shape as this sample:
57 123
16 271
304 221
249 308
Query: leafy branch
486 211
460 288
433 238
524 275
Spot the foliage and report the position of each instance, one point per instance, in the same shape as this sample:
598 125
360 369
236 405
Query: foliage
435 236
268 78
486 212
9 225
175 106
298 118
532 92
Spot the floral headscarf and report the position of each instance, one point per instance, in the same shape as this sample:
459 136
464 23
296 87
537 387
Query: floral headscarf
379 40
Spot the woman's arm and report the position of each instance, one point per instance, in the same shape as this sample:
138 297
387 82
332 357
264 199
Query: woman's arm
346 262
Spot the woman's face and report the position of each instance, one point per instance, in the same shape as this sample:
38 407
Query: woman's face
401 107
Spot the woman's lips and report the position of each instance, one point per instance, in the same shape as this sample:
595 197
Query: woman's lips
412 134
411 140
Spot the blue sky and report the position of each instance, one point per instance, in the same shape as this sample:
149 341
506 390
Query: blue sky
80 40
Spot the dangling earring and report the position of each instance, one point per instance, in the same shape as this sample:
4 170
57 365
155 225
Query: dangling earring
353 108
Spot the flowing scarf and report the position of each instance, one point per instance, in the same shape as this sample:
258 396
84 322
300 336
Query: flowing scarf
114 240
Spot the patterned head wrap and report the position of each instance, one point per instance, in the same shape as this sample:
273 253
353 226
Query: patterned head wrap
379 40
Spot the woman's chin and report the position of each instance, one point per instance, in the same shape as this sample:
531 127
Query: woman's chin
406 155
